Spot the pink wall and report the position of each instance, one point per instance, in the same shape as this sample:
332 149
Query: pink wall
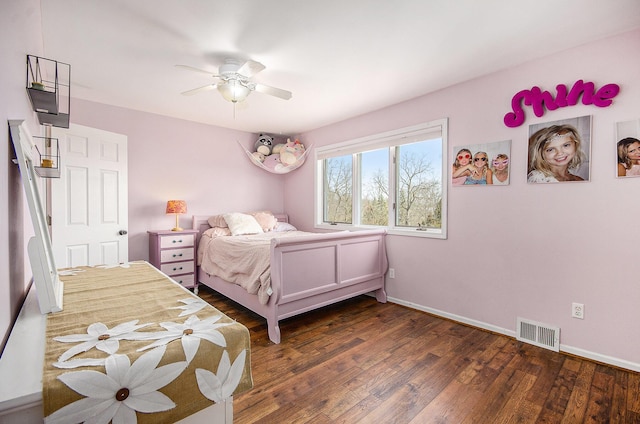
22 35
522 250
176 159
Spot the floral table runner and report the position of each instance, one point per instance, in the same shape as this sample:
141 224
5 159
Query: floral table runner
133 346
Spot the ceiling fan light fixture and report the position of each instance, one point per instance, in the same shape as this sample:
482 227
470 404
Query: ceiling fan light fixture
234 91
234 81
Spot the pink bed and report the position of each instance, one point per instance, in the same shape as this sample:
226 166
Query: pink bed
309 272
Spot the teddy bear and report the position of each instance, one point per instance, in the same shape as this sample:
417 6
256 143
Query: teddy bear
264 144
291 152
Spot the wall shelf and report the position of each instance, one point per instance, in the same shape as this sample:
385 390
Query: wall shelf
48 86
47 161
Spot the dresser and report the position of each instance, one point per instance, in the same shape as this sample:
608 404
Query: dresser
174 253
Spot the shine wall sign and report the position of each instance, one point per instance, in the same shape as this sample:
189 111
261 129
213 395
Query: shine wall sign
538 99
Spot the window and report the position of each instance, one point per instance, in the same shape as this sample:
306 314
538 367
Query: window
395 180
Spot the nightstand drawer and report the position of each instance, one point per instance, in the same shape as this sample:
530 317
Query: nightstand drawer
186 280
177 268
179 240
173 255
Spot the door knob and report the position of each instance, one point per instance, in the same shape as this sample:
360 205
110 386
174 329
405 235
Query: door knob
122 232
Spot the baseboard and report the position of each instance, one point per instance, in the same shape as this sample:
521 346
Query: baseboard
598 357
454 317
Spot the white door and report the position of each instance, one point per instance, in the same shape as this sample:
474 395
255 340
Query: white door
89 200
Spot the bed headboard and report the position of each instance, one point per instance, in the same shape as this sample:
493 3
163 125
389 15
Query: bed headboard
281 217
201 222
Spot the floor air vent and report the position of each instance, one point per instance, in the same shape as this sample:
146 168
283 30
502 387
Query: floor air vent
538 334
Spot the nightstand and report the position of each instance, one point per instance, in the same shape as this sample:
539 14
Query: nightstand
174 253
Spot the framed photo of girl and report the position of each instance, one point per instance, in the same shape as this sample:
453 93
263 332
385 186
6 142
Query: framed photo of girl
560 151
481 164
628 148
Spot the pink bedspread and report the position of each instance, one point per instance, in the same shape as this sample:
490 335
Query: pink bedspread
243 260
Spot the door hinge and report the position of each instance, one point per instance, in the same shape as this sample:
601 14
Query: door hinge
49 220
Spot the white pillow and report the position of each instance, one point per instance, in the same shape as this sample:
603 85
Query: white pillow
240 223
284 226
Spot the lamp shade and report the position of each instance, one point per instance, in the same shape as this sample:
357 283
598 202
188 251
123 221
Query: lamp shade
234 91
176 206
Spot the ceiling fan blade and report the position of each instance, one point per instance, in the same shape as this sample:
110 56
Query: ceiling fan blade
272 91
199 89
191 68
250 68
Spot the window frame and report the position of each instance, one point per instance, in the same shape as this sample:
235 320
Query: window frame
390 139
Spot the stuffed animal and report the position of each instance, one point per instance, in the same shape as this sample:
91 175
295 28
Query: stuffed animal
258 157
272 163
264 144
277 149
291 152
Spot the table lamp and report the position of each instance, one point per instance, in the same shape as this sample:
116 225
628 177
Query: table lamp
176 207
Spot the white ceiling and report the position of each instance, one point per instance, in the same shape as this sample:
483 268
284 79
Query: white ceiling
340 58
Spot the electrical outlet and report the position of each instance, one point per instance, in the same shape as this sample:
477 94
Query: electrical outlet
392 273
577 310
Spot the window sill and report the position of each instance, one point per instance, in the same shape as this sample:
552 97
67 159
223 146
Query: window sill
434 234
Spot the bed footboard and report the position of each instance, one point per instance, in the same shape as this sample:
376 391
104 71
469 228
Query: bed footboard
318 270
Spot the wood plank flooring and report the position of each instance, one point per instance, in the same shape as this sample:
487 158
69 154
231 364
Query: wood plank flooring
364 362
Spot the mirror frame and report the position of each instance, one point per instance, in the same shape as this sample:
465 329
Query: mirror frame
49 287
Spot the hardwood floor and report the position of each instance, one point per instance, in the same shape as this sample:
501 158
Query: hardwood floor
364 362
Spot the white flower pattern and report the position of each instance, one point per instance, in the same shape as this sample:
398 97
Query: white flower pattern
122 265
73 271
75 363
117 394
220 386
191 306
190 333
101 337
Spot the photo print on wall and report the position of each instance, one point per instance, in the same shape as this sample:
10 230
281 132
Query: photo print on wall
628 148
481 164
560 151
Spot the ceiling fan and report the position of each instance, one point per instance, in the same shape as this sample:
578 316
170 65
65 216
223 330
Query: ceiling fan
234 81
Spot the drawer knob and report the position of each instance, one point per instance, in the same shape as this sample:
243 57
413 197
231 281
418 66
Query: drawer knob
175 269
174 255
